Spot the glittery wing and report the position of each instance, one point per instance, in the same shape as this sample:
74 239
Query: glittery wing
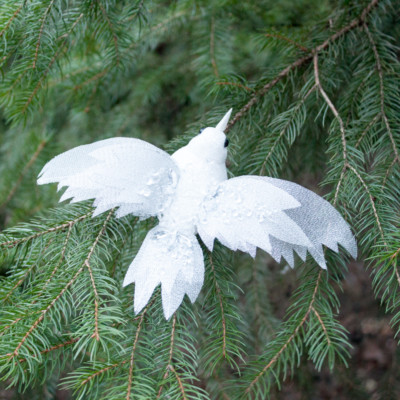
245 212
274 215
127 173
318 219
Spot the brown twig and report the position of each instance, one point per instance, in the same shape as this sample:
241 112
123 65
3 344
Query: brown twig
322 325
171 349
130 378
299 62
17 11
87 264
249 89
13 243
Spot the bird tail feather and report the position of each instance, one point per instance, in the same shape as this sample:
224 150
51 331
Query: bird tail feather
172 259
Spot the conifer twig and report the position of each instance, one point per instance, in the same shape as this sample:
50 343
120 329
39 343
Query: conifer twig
221 305
212 48
300 62
277 355
13 243
41 32
130 376
60 294
171 349
17 11
32 160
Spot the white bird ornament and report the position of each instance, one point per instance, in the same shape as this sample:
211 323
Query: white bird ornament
191 194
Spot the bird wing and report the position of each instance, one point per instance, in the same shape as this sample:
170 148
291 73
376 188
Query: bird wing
119 172
275 215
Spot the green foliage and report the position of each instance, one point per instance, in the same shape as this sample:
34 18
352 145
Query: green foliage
315 92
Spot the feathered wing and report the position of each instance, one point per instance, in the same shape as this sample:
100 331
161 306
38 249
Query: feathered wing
171 259
127 173
275 215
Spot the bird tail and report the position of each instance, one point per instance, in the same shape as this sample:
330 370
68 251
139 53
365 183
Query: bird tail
169 258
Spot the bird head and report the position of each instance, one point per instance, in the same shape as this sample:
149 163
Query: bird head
211 143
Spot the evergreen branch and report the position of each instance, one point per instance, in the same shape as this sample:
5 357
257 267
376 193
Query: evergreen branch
93 78
105 369
56 54
249 89
371 199
32 160
179 381
61 257
300 62
283 131
55 347
17 11
114 36
171 349
87 264
322 324
331 106
366 130
61 293
130 376
16 242
212 48
286 39
276 357
219 295
381 92
40 33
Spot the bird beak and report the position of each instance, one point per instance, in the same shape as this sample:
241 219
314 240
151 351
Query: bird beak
224 121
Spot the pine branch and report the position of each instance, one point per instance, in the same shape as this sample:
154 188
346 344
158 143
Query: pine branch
300 62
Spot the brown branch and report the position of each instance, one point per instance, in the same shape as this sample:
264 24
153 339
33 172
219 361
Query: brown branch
60 294
88 379
130 378
179 381
171 348
13 243
212 48
299 62
87 264
41 32
34 157
219 295
55 347
331 106
286 39
322 324
17 11
291 337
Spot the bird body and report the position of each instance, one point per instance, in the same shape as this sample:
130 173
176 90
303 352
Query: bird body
190 194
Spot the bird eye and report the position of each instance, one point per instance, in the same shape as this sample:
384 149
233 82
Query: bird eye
201 130
226 143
